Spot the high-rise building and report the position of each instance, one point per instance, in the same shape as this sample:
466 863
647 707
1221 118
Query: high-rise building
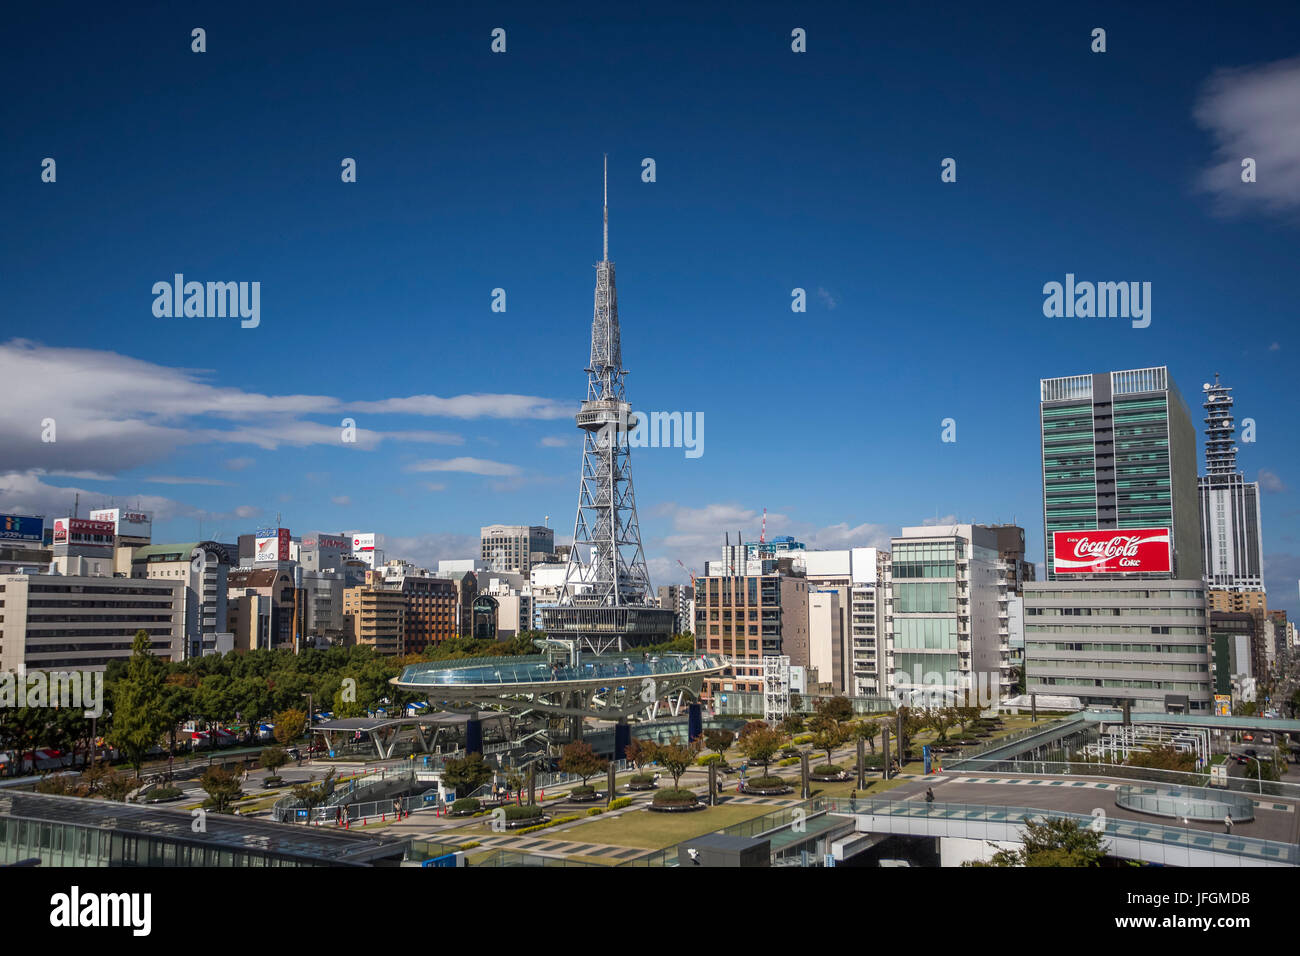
430 612
944 585
677 598
1221 599
1121 616
83 622
1230 521
262 608
748 617
203 567
511 547
608 602
375 617
322 606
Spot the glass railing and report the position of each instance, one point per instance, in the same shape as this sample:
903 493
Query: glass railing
537 670
957 814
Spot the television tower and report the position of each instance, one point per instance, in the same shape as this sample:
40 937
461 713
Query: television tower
607 596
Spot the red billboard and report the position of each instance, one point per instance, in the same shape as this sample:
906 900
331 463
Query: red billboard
80 529
1112 551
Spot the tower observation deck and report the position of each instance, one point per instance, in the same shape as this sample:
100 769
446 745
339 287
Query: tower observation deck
607 602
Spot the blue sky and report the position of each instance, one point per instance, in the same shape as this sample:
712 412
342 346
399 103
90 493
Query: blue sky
775 170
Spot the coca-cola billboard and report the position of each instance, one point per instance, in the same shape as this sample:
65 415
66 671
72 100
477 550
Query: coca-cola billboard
1112 551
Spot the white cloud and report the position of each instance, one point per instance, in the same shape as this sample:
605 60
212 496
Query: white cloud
554 441
1270 481
472 466
28 493
1275 347
111 407
341 500
1253 112
427 550
827 298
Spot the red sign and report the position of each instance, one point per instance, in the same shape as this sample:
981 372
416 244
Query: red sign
80 527
1111 551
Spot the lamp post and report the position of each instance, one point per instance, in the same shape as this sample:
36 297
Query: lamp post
309 709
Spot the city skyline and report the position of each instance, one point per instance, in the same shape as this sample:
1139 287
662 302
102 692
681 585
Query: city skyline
376 296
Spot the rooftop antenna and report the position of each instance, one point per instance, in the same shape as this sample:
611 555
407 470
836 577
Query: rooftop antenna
762 537
606 213
76 505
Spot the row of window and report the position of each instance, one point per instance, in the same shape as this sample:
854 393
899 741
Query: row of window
1119 648
1111 629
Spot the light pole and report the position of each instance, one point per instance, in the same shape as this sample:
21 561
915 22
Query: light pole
308 696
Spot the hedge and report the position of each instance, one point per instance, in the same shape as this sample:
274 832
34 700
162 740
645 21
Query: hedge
595 811
767 783
709 759
787 762
620 803
675 796
524 812
465 805
585 790
643 778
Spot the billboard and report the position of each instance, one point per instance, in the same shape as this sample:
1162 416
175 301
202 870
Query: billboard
362 543
1112 551
272 544
134 524
1222 705
326 542
82 531
22 528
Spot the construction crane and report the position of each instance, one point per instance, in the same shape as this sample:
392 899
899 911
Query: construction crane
688 571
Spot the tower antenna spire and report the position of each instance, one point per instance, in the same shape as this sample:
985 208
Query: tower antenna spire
606 256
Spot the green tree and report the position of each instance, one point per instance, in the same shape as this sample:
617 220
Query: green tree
1163 758
838 709
760 746
273 758
867 730
966 716
831 736
938 719
313 794
138 717
222 787
719 740
639 752
580 760
675 757
1052 842
466 774
792 724
176 707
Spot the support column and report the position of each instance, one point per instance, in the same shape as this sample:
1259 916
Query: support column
622 737
473 736
884 753
862 759
713 784
805 789
532 784
1033 708
694 721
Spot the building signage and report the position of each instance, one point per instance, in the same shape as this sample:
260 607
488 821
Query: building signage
1112 551
22 528
1222 705
362 543
272 544
80 529
133 524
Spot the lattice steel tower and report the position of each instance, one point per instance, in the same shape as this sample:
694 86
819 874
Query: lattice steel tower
607 600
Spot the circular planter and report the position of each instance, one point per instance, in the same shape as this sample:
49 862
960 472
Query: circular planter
588 797
679 807
832 778
766 791
530 822
641 786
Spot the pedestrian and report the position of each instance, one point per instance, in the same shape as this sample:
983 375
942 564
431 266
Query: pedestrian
929 795
1227 824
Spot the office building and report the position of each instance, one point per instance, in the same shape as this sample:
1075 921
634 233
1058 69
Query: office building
82 547
203 568
511 548
677 598
83 622
319 551
1230 520
322 607
1122 615
748 617
944 585
262 608
1220 599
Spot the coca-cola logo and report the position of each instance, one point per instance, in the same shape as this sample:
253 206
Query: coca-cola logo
1108 551
1125 546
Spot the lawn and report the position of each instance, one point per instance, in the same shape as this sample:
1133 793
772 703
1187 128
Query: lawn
654 831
